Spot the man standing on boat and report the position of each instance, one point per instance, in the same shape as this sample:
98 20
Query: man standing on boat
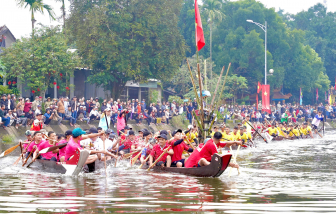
202 157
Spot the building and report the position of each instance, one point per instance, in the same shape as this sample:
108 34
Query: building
6 37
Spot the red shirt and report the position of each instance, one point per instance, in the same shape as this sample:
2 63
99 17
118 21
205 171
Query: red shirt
178 150
209 149
157 151
128 144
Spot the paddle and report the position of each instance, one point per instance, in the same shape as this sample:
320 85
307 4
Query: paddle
157 160
256 131
10 150
234 160
129 154
323 126
133 160
21 156
143 162
52 148
27 158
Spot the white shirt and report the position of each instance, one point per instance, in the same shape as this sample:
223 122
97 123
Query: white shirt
9 103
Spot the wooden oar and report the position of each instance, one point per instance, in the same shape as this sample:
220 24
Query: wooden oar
52 148
129 154
143 162
256 131
133 160
21 156
190 143
234 160
33 160
105 155
27 158
157 160
10 150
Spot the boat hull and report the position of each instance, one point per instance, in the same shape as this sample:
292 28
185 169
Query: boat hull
218 165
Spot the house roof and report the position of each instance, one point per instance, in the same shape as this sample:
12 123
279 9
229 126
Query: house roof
277 95
4 29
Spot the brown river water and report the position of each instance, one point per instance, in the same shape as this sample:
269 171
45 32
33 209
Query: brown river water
280 177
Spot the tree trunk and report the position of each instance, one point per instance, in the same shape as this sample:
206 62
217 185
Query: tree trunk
63 11
211 48
33 21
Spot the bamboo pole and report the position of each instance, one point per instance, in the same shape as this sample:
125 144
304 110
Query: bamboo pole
144 162
193 83
214 95
201 96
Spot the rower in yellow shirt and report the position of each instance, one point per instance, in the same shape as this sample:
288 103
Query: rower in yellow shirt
273 131
192 134
247 124
215 129
307 130
234 135
282 130
244 135
293 132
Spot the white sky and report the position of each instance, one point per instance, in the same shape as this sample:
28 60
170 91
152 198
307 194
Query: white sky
18 19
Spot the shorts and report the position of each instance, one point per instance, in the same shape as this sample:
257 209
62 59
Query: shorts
314 127
161 162
126 150
173 164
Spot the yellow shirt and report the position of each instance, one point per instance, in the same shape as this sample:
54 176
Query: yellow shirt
272 131
245 136
281 131
294 132
191 136
225 136
306 130
248 127
234 137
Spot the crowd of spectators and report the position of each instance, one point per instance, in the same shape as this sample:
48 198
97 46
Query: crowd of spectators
23 112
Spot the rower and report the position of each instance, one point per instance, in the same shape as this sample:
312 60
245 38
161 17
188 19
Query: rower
282 130
293 132
37 136
178 145
192 135
50 156
215 129
244 135
127 144
273 131
307 130
149 142
108 143
74 143
61 153
239 126
202 156
158 149
247 124
316 121
234 135
28 134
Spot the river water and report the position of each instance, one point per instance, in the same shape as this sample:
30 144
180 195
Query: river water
280 177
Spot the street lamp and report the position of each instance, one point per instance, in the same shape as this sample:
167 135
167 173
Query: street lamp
264 28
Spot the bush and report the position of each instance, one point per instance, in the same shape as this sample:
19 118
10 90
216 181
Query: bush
153 96
5 90
7 139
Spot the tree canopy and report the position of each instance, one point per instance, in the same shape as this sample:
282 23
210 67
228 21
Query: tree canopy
133 39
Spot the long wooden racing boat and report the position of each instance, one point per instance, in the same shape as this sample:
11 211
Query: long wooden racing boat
218 165
72 167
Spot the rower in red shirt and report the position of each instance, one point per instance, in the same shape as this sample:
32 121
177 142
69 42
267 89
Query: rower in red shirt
178 145
202 157
158 149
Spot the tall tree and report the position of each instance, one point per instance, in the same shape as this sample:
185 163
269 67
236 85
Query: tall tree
213 11
129 40
36 6
44 65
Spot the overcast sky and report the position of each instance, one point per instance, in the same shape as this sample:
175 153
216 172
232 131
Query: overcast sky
18 19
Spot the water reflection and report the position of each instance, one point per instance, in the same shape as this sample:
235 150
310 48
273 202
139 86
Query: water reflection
281 177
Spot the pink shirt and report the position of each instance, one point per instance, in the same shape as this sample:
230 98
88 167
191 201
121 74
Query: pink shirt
71 148
30 148
62 151
43 145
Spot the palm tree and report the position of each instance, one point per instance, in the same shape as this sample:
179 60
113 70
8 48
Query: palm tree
36 6
212 9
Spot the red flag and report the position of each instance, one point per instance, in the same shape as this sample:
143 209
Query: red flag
257 101
199 35
259 87
266 98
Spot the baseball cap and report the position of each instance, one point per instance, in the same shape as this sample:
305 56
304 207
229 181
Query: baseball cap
163 136
28 133
164 132
68 132
38 114
146 133
93 130
112 136
108 131
127 127
176 131
78 132
130 133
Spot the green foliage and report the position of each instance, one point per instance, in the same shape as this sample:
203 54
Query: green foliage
2 69
7 139
41 60
5 90
177 99
127 40
153 96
